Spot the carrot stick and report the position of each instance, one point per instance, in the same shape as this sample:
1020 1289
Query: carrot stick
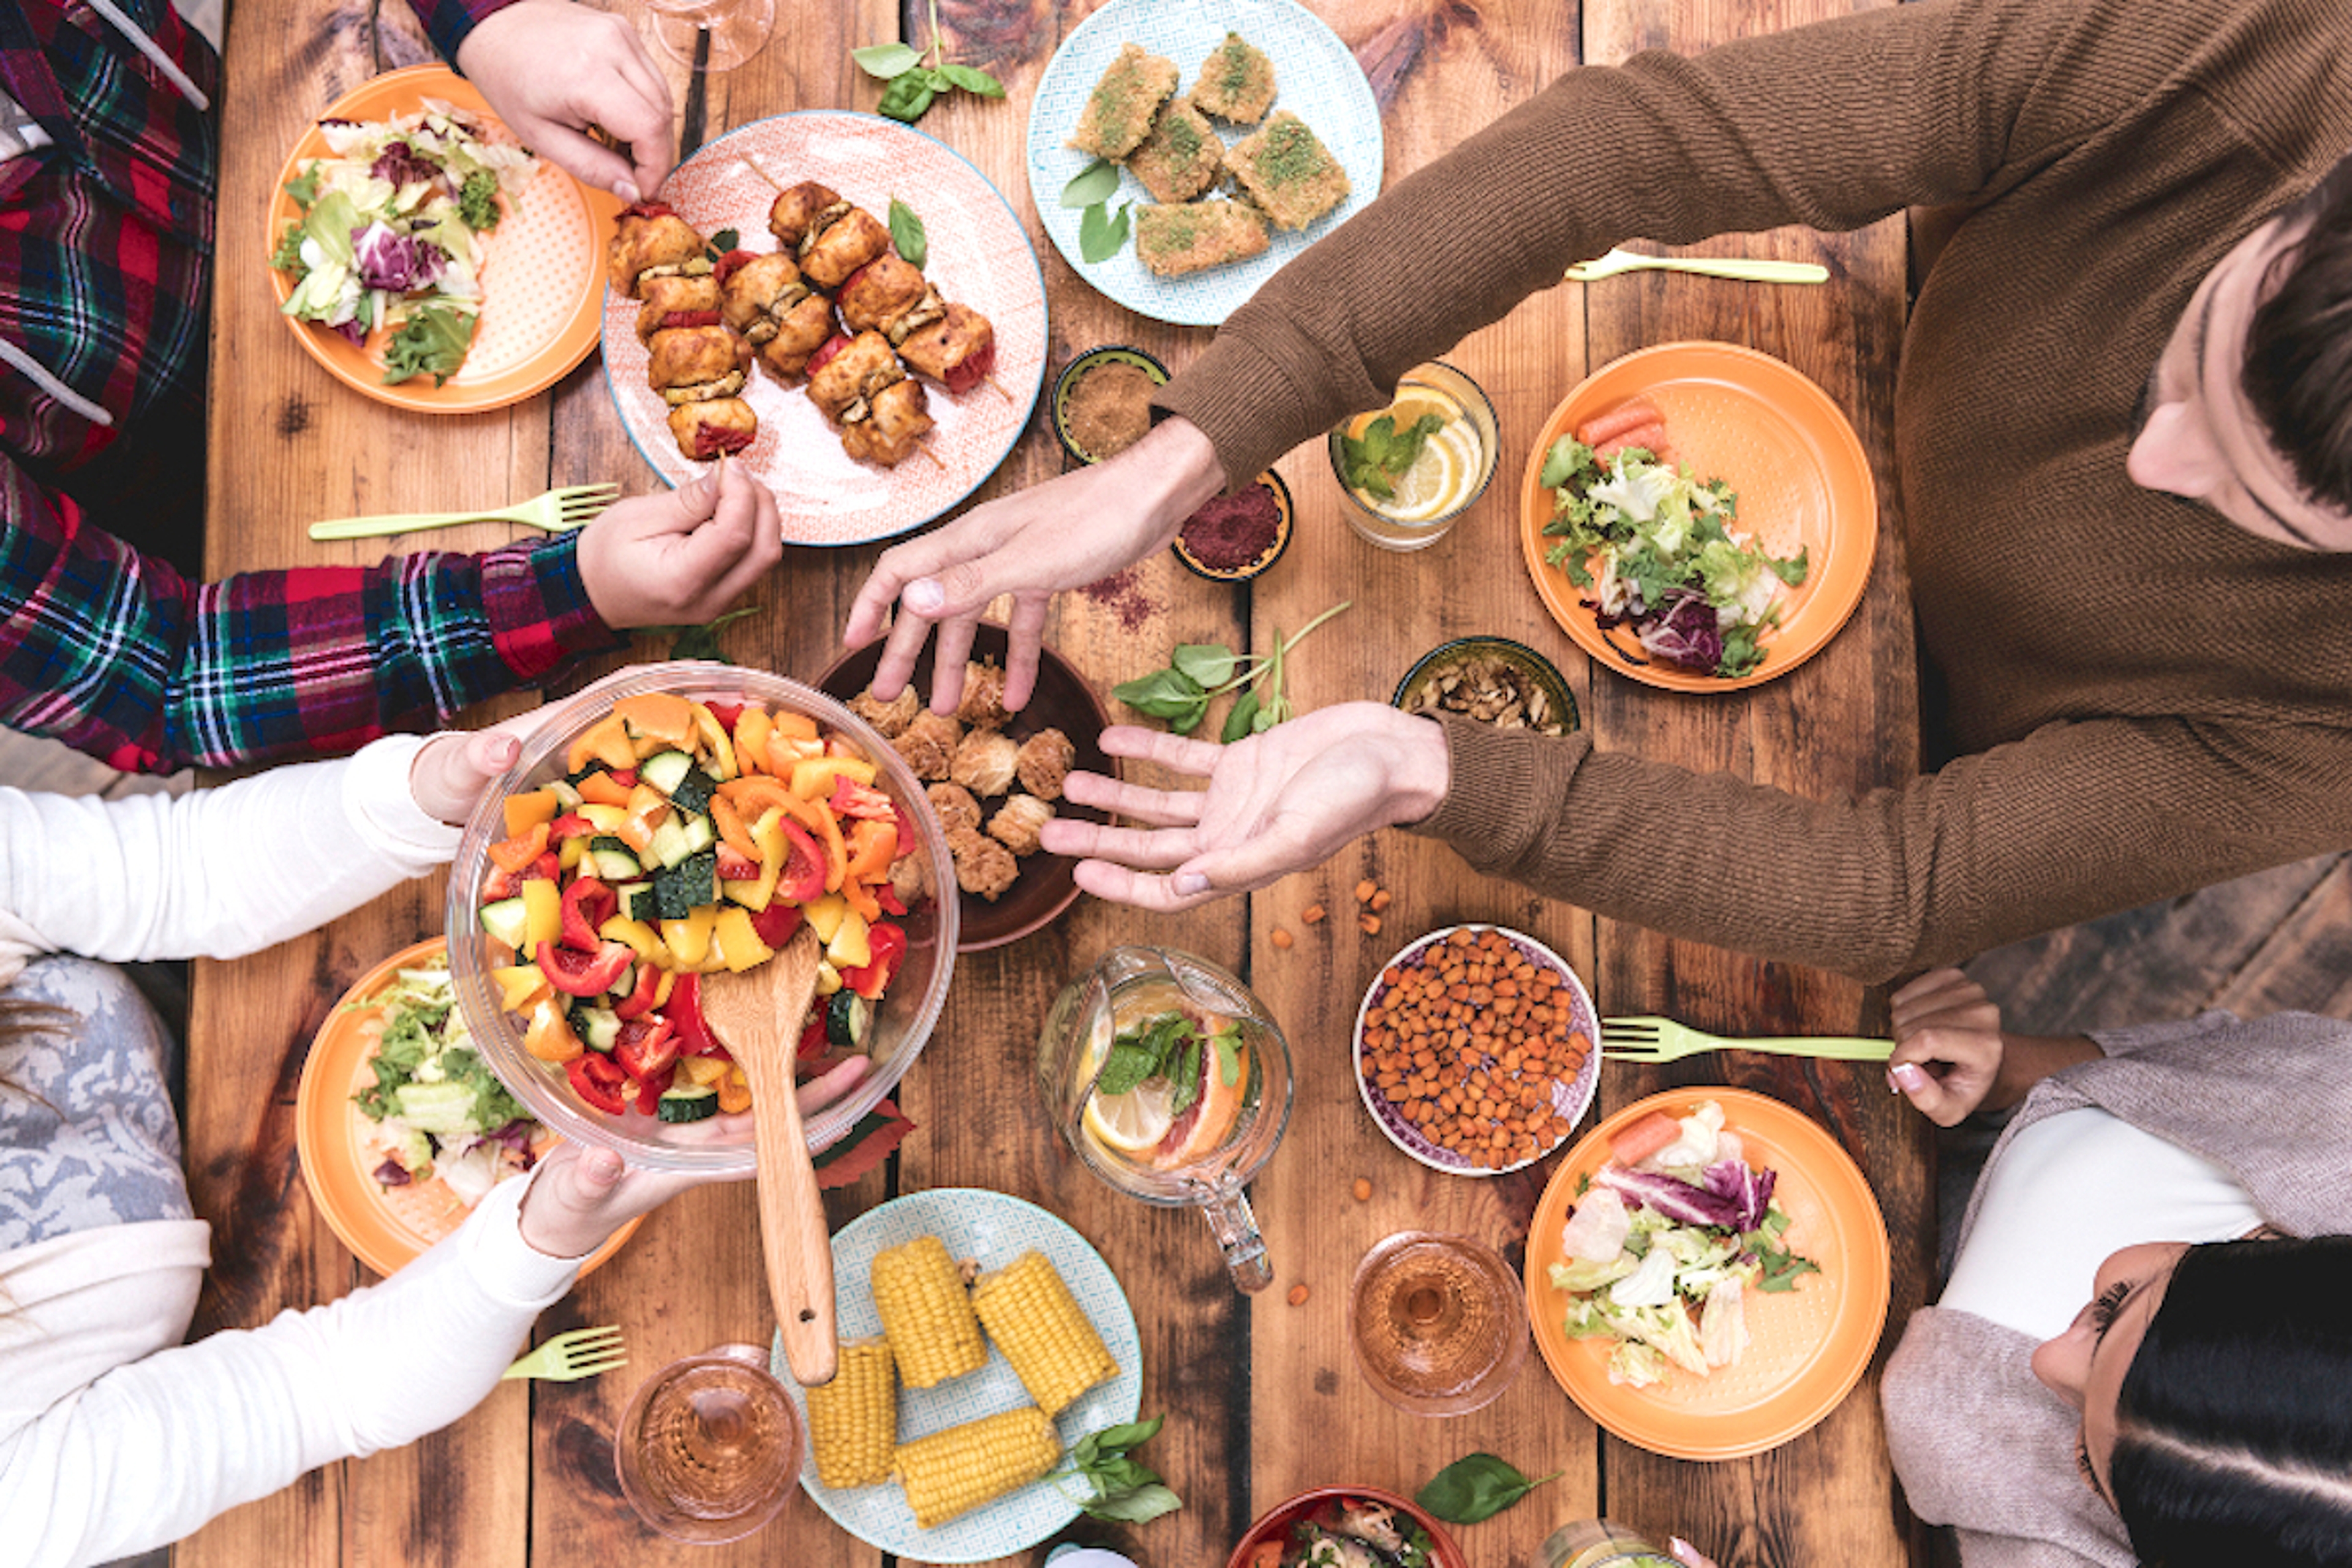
1631 414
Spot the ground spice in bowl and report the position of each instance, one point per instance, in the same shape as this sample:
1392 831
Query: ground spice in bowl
1108 409
1238 535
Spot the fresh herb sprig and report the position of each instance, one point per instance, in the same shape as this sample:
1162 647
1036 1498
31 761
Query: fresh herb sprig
699 642
1476 1487
908 234
914 86
1102 232
1122 1489
1199 672
1167 1046
1377 460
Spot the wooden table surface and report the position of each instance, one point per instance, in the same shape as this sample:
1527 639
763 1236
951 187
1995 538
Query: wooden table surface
1261 1395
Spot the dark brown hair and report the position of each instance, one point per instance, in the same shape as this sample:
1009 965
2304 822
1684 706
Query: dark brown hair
2298 370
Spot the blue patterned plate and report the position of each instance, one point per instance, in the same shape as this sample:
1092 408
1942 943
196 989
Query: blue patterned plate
994 1229
1315 77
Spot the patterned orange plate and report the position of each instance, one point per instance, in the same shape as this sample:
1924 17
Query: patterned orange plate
331 1135
980 256
1793 460
542 268
1807 1347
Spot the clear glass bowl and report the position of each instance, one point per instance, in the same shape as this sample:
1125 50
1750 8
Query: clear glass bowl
902 1024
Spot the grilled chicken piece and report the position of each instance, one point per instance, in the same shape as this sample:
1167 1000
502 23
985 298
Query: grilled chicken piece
846 373
898 416
650 241
891 296
690 364
806 207
806 328
757 293
841 247
703 430
678 300
958 351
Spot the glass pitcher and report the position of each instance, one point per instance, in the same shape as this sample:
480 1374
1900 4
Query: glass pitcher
1203 1080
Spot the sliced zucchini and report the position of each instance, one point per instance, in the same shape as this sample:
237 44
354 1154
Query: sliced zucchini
597 1028
663 770
669 843
566 796
607 841
699 833
614 865
848 1019
637 903
682 889
506 921
693 792
687 1102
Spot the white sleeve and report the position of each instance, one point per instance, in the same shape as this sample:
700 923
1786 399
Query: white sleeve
215 873
154 1449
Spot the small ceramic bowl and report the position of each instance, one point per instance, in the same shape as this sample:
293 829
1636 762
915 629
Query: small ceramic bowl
1270 482
1275 1523
1570 1097
1417 693
1075 371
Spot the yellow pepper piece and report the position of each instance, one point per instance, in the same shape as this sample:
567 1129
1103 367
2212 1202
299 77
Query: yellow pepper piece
828 978
768 839
812 778
715 740
742 945
703 1069
570 853
543 912
519 986
605 818
848 948
688 939
669 979
752 728
527 811
825 914
643 939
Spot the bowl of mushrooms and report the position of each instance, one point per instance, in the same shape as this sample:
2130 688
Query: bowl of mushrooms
1493 680
994 777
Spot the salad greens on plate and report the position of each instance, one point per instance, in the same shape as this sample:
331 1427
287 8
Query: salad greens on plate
439 1110
387 234
1653 548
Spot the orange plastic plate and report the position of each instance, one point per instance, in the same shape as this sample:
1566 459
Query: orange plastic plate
1792 457
542 268
329 1134
1807 1347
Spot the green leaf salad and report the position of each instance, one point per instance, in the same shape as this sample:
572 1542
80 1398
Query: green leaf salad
440 1112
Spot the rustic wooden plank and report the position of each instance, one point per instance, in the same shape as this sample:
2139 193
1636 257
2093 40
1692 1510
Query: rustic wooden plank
1830 1495
1440 76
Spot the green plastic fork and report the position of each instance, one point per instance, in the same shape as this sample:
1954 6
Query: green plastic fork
1664 1040
557 511
569 1357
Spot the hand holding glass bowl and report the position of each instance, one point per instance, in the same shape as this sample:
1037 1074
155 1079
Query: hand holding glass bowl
902 1023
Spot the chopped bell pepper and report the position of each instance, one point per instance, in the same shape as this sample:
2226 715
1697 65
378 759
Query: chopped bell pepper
873 845
727 713
598 1082
548 1035
646 1047
574 824
642 939
570 853
734 1091
528 810
886 946
812 778
852 799
514 854
795 726
587 904
688 939
735 866
828 978
715 741
740 941
733 831
787 751
604 788
813 1041
577 974
519 985
776 923
861 899
849 948
646 995
752 728
543 913
702 1069
657 716
824 915
606 742
684 1010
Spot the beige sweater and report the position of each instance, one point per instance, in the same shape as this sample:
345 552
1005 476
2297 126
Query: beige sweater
2151 698
1976 1442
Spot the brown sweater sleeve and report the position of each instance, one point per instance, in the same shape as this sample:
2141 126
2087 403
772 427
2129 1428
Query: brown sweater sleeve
2072 822
1834 125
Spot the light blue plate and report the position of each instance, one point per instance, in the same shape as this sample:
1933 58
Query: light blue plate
994 1230
1315 77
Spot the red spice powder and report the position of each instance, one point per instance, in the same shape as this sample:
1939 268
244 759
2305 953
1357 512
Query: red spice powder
1233 532
1122 593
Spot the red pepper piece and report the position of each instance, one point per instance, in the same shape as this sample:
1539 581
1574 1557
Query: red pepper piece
577 974
775 924
625 777
548 867
824 356
727 712
571 825
687 318
724 269
887 896
647 1047
642 1094
735 866
804 874
886 946
851 798
648 209
684 1010
587 905
640 1002
597 1081
812 1044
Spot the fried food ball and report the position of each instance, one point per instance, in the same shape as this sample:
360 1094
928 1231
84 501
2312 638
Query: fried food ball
1044 760
888 718
1018 822
928 744
984 868
910 878
983 698
955 806
984 762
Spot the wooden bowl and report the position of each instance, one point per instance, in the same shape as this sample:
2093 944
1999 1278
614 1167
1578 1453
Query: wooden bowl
1064 702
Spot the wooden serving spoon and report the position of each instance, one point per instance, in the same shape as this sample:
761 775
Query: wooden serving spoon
758 1016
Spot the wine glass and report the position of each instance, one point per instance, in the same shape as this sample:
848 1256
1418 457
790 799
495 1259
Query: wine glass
1439 1323
710 1447
737 29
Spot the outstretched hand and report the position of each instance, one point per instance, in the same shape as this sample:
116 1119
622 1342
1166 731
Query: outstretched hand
1947 1045
551 70
1276 802
1064 534
582 1195
682 557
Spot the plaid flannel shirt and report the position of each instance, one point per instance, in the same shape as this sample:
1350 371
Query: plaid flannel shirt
105 256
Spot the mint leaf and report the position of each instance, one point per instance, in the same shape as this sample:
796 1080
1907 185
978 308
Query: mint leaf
887 62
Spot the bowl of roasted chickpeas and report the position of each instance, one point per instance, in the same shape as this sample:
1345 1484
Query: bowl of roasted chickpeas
993 776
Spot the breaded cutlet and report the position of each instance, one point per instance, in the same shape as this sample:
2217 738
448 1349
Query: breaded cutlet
1181 157
1122 108
1173 240
1236 82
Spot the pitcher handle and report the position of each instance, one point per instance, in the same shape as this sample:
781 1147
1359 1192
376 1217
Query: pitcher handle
1235 1228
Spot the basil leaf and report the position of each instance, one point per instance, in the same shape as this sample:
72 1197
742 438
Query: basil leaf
1135 1507
1476 1487
1097 182
1187 722
1210 664
1102 234
909 94
1119 1474
972 79
1237 722
1128 1434
725 240
885 61
1162 694
907 233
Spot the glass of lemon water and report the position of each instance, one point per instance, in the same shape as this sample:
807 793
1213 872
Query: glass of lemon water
1172 1082
1434 456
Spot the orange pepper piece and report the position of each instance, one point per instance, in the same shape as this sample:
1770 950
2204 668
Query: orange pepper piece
659 716
602 789
514 854
873 845
607 742
860 897
734 1091
731 829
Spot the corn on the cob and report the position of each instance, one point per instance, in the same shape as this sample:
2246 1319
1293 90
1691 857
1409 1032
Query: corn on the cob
1028 1311
853 1420
927 1312
963 1467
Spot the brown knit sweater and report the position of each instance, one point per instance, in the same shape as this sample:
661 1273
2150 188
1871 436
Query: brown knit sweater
2151 698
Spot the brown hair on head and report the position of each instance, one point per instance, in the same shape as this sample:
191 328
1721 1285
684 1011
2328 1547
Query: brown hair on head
2298 371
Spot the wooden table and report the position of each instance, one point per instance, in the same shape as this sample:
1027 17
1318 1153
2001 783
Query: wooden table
1261 1396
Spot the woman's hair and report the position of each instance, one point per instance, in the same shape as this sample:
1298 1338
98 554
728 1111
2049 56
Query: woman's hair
2298 369
2233 1426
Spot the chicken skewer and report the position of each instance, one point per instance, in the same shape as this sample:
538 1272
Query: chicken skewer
882 412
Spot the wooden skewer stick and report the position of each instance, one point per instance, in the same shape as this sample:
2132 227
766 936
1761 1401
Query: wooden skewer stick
760 169
934 457
999 387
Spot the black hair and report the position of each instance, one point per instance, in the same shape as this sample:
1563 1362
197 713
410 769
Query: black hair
2298 372
2233 1425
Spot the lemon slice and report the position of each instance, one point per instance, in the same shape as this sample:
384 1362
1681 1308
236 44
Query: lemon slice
1133 1123
1430 485
1413 406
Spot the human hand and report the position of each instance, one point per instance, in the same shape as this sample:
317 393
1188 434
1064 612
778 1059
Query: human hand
583 1195
1064 534
450 771
1689 1556
681 558
1276 802
551 70
1947 1045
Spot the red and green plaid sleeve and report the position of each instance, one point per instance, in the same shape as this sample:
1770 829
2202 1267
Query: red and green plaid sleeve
450 20
118 655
